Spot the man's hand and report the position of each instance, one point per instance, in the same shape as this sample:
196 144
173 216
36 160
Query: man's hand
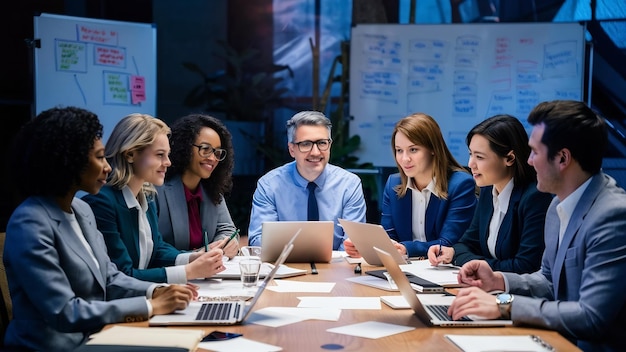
351 249
474 301
478 273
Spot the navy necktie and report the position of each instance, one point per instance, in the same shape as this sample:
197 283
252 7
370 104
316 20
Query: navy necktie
312 211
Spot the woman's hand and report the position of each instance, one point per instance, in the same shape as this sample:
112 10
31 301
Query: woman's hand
206 265
440 255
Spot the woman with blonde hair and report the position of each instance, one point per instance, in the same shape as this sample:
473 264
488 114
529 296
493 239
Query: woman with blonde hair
431 200
63 285
126 213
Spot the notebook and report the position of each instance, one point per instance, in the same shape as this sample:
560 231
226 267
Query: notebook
366 236
430 314
221 312
314 244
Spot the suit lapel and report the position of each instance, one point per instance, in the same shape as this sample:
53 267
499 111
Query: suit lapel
87 227
177 206
71 238
431 217
404 210
580 211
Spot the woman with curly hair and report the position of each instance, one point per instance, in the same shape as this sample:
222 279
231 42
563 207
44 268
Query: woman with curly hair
126 209
192 208
63 285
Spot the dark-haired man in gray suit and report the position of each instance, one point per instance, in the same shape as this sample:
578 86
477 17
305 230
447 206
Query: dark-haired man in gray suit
580 289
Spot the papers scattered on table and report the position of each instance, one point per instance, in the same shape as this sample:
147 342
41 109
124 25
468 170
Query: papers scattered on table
232 270
340 302
395 302
238 344
372 281
279 316
301 286
138 336
444 275
512 343
371 329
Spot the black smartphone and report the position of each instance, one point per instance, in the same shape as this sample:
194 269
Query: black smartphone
220 336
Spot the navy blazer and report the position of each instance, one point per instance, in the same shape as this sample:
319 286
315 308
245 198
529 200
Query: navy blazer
520 238
59 295
120 228
174 216
446 219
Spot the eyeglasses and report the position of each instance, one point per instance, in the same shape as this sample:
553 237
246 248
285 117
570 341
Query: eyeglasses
205 151
307 146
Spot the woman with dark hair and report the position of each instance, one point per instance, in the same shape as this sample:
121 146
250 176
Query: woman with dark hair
192 208
432 198
63 285
507 229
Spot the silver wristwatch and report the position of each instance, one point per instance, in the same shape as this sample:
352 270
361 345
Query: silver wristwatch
504 301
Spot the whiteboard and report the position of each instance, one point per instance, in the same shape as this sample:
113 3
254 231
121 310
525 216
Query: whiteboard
107 67
459 74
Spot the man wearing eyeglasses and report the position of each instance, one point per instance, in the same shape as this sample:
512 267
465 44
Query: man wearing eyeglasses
283 193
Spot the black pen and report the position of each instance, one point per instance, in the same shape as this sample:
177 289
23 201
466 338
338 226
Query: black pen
229 239
313 268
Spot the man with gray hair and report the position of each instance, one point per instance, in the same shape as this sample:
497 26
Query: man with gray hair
283 193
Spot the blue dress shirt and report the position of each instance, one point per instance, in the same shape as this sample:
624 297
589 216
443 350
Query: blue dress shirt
282 195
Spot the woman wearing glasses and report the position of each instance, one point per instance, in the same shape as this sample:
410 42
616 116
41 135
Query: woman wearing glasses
126 212
192 209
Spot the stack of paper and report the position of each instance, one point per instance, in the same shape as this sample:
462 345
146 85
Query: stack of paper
157 337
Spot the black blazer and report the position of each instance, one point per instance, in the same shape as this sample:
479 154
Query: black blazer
520 241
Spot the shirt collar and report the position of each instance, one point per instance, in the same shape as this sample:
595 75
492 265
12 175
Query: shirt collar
568 204
189 195
132 202
319 181
502 199
430 187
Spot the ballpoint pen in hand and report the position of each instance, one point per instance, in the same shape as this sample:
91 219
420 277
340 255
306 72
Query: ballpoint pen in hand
205 239
230 239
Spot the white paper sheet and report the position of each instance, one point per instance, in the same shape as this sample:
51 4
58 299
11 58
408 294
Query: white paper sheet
371 329
340 302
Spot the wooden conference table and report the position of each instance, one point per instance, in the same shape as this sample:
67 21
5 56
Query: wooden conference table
310 335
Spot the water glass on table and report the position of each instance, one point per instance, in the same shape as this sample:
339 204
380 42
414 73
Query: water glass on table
250 268
251 251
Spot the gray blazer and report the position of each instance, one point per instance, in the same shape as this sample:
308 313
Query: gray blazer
59 295
580 290
174 219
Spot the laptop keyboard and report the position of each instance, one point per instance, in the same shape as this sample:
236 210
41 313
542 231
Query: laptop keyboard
441 311
215 311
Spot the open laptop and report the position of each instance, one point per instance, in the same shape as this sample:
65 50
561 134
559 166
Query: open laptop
366 236
221 312
314 244
430 314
